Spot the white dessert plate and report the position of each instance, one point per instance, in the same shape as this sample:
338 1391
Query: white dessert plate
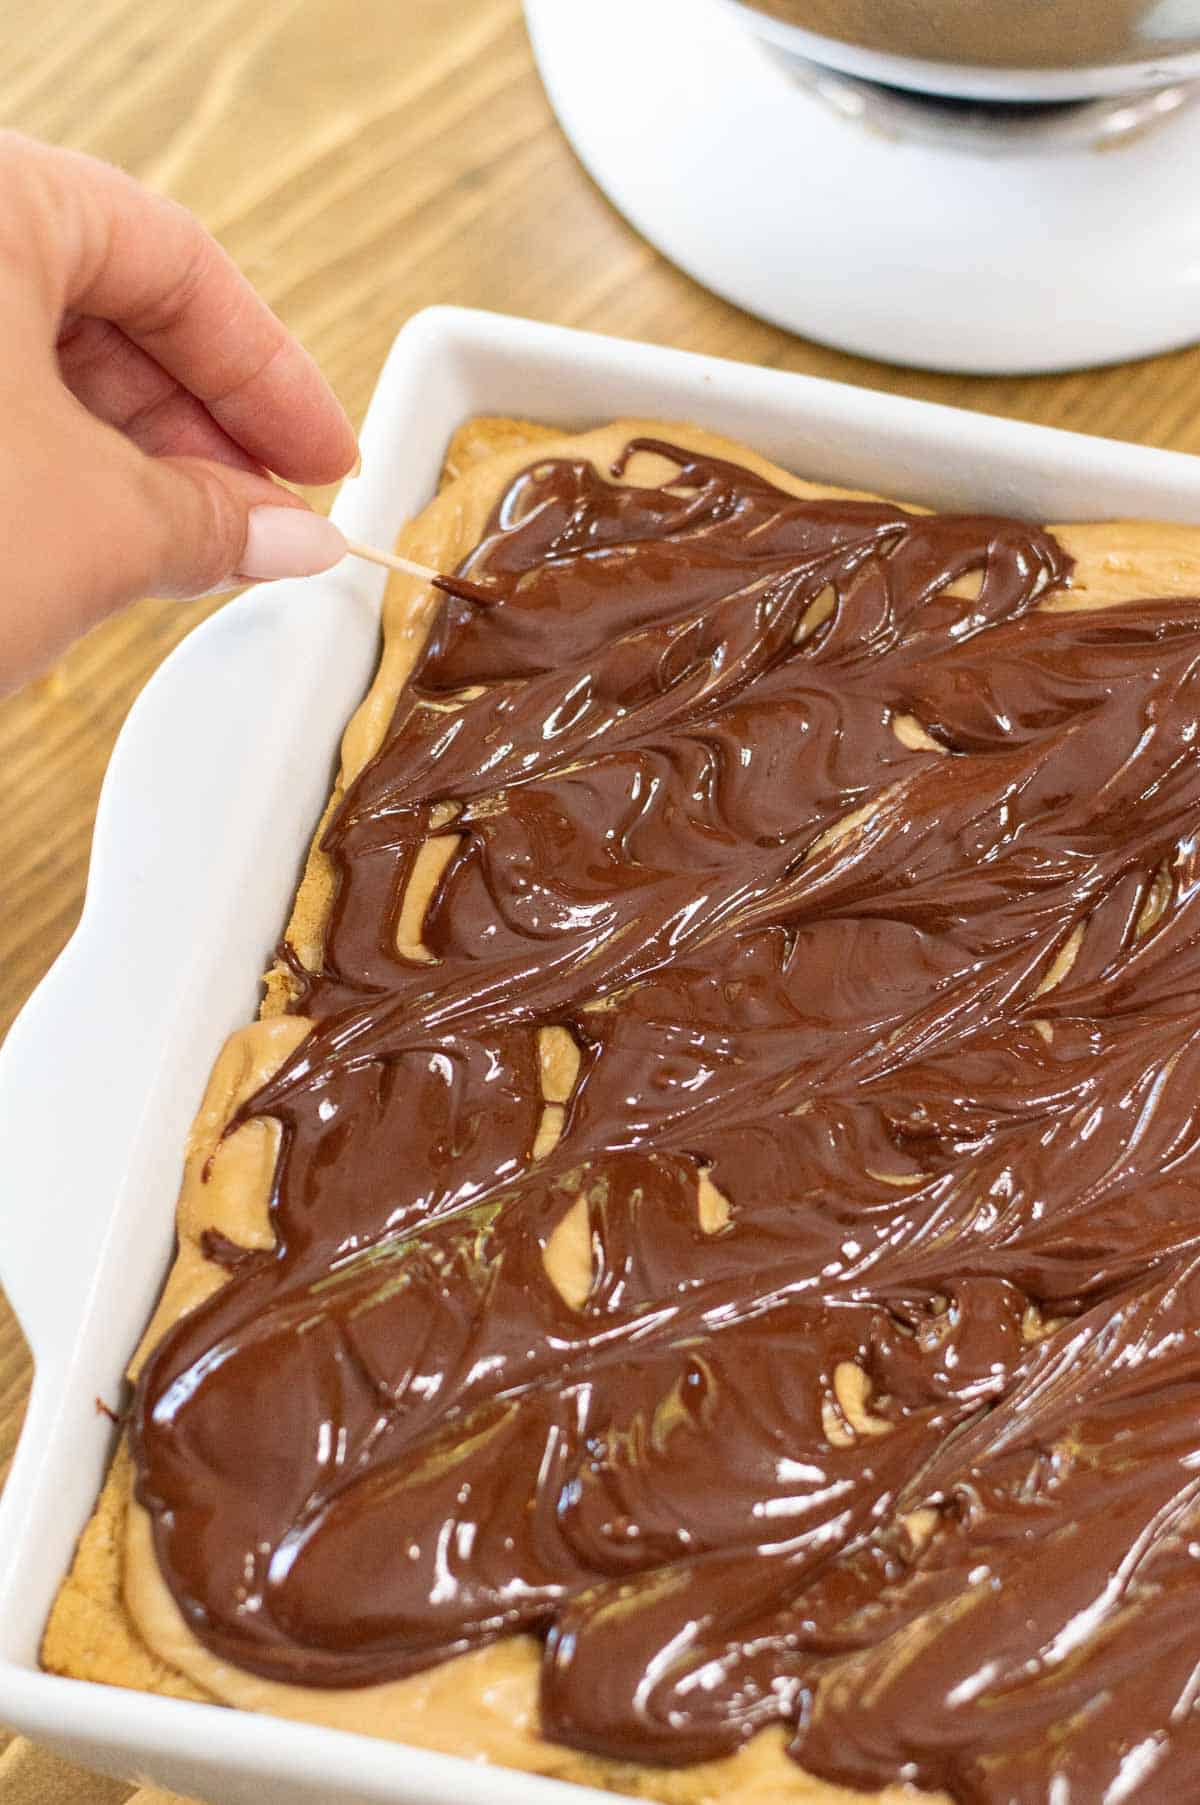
214 787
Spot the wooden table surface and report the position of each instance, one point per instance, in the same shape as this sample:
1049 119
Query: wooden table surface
361 162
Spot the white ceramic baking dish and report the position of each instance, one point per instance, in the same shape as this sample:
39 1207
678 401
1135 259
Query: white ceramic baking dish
214 786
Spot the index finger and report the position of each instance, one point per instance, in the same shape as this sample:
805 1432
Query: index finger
148 265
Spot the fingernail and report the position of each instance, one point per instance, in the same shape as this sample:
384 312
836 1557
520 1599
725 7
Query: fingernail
289 542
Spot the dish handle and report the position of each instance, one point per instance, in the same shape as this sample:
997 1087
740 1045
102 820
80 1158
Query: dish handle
50 1241
67 1117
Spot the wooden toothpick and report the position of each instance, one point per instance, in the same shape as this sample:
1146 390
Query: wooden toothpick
461 587
392 560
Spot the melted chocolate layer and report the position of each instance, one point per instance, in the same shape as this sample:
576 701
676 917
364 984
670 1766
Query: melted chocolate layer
898 1439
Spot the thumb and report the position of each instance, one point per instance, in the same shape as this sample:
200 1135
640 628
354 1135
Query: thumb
89 524
209 526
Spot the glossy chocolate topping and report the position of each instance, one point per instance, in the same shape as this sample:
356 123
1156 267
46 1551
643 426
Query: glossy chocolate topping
465 591
869 897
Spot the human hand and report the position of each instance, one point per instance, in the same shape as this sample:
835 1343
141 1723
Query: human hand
147 392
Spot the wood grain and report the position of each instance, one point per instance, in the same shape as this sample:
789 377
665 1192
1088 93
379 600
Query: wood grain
360 163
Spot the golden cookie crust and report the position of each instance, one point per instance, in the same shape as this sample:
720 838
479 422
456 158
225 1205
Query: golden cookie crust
114 1620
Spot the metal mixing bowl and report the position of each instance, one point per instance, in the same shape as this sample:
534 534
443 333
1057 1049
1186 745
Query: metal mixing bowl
1013 50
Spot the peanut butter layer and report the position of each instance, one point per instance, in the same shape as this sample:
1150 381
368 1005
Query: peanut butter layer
712 941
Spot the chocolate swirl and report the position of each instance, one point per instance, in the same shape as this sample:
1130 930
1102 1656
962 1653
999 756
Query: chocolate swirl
867 894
